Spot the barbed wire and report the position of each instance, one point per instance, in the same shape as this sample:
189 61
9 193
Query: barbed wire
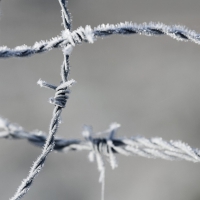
100 145
138 145
88 34
94 143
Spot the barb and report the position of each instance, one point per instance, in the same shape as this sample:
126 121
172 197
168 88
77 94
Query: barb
108 146
88 34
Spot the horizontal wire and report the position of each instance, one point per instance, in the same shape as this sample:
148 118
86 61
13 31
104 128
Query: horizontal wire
150 148
88 34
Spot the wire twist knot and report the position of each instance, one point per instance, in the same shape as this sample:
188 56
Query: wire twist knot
77 36
62 92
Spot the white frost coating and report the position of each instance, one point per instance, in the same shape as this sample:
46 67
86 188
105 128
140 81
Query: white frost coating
185 147
139 152
37 45
177 32
3 123
73 37
164 145
41 83
115 126
66 84
89 34
158 154
100 165
97 146
146 29
101 168
67 50
112 157
146 142
176 150
180 156
22 48
80 31
91 156
106 146
131 142
67 35
85 133
149 148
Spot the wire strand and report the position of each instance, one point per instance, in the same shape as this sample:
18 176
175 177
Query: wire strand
59 101
88 34
140 146
97 146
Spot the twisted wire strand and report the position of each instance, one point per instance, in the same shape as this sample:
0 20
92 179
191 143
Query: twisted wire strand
108 146
88 34
97 146
59 101
66 16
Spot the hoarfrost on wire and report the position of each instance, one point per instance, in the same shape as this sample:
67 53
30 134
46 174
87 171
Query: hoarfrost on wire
98 144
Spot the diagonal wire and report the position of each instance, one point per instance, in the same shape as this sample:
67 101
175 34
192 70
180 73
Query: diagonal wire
59 100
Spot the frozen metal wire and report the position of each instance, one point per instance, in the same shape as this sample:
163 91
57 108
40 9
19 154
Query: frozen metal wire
107 146
59 100
110 145
151 148
88 34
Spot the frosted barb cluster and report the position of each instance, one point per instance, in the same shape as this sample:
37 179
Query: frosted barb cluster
61 94
88 34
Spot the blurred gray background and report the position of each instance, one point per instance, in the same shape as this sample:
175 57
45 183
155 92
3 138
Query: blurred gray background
150 85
